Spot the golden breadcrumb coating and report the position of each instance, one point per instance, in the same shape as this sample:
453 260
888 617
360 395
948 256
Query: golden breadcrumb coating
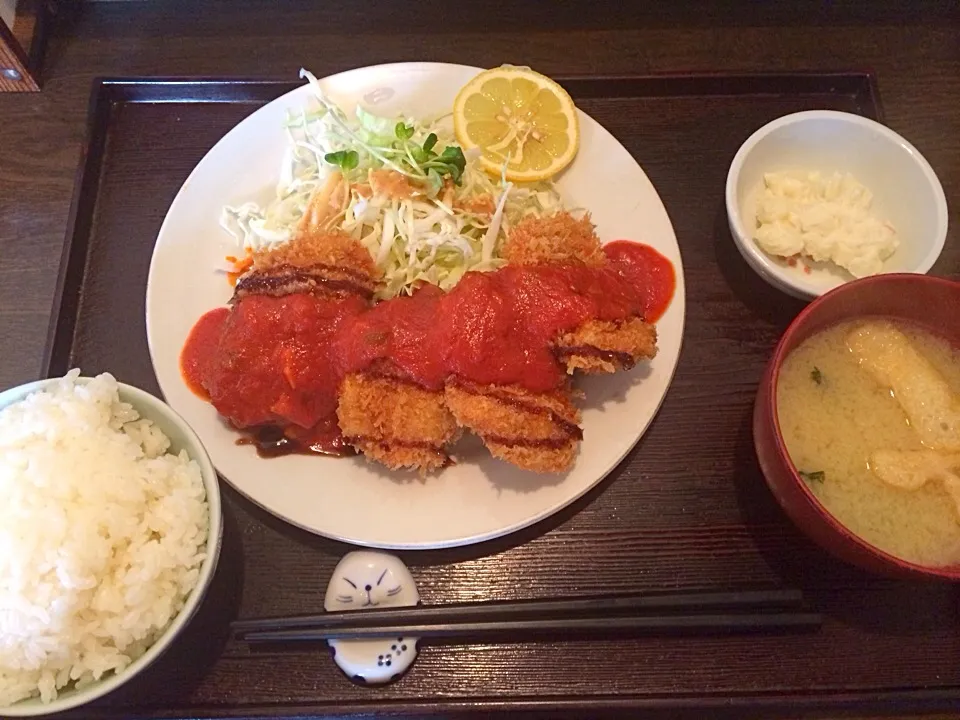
317 249
560 238
327 264
394 422
536 432
602 346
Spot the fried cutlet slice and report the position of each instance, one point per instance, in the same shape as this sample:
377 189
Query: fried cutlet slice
603 346
538 432
331 263
560 238
394 422
597 346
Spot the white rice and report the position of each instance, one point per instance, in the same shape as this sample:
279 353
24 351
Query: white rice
102 534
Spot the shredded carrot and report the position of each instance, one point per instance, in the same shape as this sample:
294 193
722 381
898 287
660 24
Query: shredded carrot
481 205
391 183
240 266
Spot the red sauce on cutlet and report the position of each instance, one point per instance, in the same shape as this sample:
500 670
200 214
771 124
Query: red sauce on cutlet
492 328
404 337
503 324
272 362
199 353
646 269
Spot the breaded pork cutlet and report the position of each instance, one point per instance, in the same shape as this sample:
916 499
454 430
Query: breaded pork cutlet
603 346
538 432
394 422
326 264
560 238
541 432
597 346
380 410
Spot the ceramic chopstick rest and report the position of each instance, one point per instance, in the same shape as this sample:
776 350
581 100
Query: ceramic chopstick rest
364 580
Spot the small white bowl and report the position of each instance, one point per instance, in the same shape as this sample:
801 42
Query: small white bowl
182 437
905 190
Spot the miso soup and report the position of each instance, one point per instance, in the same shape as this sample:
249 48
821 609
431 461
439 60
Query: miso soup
870 414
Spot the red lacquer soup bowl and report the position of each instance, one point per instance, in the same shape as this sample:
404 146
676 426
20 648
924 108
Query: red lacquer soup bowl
919 299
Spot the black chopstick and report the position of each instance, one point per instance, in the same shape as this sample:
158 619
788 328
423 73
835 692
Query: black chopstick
500 612
556 628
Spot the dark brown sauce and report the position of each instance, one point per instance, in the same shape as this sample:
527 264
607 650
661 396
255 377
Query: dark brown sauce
393 444
396 442
287 280
570 429
385 370
357 275
552 443
624 359
270 441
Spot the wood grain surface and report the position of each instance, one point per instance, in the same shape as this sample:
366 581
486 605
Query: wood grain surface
14 71
714 524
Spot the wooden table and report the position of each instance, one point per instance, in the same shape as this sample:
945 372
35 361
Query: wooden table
916 57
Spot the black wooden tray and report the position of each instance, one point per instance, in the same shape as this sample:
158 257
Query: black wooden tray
687 509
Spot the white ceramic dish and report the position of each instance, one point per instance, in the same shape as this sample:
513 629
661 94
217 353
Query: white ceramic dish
182 437
905 188
351 499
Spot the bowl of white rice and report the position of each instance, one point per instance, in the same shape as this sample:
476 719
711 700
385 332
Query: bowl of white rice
110 530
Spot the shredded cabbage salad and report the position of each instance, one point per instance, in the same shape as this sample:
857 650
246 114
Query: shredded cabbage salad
453 222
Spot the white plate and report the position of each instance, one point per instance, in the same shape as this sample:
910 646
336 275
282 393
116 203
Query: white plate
348 498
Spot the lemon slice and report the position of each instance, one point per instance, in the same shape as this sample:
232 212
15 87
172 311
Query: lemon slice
517 116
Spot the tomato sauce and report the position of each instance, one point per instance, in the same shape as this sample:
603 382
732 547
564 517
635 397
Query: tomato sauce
199 354
403 337
647 269
502 325
492 328
274 362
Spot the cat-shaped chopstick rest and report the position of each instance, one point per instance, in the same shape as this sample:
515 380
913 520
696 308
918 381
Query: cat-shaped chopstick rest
363 580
